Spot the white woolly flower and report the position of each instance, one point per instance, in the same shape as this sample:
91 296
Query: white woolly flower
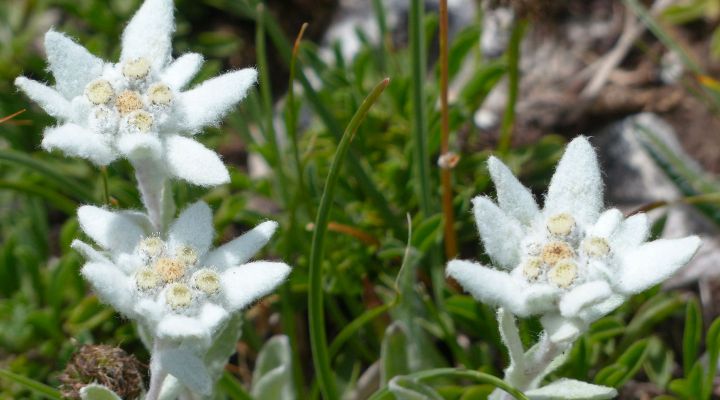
137 108
570 262
175 285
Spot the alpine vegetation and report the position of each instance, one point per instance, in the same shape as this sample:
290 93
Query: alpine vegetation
184 296
569 263
137 108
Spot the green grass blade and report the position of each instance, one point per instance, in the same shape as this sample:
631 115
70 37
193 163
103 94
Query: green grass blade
420 123
58 200
318 338
78 191
513 57
232 387
37 387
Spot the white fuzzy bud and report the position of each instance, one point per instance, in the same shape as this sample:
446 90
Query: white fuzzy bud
555 251
186 255
207 281
532 268
563 274
596 247
136 69
128 101
141 120
99 91
146 279
169 269
160 94
152 246
178 296
561 224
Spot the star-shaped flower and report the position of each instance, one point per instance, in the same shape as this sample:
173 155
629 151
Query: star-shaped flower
174 284
570 262
137 108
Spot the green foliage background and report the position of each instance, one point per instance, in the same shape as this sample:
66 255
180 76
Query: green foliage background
376 312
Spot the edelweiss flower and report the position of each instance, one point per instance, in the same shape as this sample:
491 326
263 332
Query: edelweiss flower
569 261
136 108
174 285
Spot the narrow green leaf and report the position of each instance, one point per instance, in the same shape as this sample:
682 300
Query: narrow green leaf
692 334
37 387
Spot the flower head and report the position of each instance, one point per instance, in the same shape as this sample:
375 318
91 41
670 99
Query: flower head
174 284
137 107
571 262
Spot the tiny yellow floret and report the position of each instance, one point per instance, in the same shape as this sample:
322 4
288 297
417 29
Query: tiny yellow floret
561 224
142 120
147 279
128 101
169 269
152 246
160 94
99 91
136 69
532 268
563 274
178 295
186 255
596 247
207 280
553 252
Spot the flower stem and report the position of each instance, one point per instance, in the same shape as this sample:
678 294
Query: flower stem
154 191
513 55
157 375
446 179
318 338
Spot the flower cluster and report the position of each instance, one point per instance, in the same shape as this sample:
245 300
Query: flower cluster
175 284
570 262
137 108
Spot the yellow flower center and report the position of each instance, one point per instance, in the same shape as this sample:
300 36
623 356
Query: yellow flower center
169 269
136 69
160 94
186 255
146 279
561 224
128 101
207 280
532 268
99 91
563 274
142 120
152 246
553 252
178 295
596 247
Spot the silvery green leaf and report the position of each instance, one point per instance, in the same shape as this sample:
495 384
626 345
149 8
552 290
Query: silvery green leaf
571 389
272 377
95 391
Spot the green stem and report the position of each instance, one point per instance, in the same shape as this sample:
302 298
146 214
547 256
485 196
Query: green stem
475 376
266 95
513 55
318 338
106 190
418 60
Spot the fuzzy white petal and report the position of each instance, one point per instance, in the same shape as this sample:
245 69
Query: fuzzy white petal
74 140
111 285
89 252
499 288
194 227
46 97
149 32
562 330
242 248
188 368
513 198
111 230
572 390
608 222
249 282
582 296
71 64
501 235
195 163
181 71
576 187
207 103
594 312
176 327
654 262
632 232
137 146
